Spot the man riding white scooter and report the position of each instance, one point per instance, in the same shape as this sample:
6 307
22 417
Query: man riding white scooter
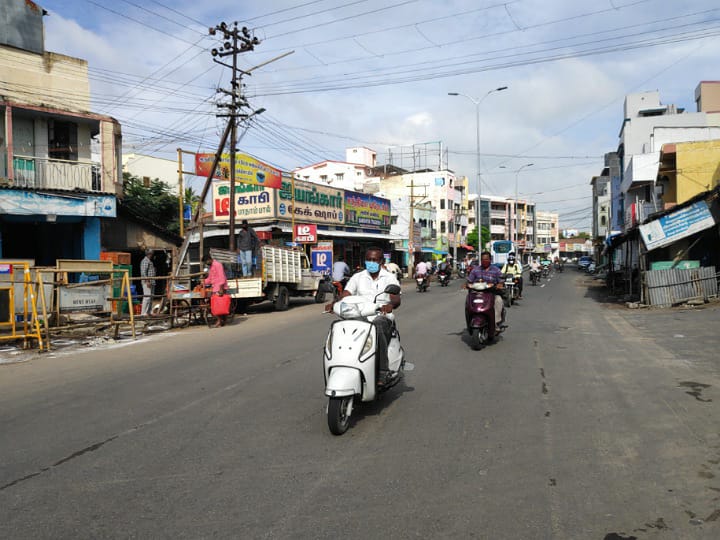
369 283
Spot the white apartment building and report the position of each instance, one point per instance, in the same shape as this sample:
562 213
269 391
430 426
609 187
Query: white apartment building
350 174
149 168
547 228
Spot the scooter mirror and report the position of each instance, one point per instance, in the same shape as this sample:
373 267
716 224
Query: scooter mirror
392 289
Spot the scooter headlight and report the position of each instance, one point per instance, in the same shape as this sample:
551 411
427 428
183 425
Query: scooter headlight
367 347
328 345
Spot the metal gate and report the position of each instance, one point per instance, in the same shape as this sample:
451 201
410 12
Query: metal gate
674 286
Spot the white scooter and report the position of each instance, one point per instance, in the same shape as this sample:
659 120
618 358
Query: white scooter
349 357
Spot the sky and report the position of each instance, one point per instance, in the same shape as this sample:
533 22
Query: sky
377 73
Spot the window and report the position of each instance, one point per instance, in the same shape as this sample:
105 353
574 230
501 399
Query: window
442 204
146 181
323 178
339 176
62 140
442 227
602 221
451 227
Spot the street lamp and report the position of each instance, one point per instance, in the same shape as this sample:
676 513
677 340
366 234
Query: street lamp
476 102
517 217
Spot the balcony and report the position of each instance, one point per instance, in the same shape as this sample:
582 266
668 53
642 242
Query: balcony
42 173
498 214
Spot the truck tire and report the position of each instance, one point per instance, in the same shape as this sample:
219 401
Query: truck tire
282 302
319 297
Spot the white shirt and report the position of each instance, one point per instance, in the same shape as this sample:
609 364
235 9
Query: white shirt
421 268
362 284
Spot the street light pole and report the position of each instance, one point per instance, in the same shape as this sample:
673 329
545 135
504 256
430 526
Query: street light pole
476 102
517 216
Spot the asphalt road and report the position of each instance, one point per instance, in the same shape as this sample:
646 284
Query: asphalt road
585 421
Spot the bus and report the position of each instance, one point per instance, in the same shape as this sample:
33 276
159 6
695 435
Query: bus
499 250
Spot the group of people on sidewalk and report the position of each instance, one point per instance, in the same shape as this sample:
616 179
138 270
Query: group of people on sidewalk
247 243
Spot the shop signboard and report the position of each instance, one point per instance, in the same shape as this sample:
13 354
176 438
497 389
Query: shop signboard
305 234
677 225
89 298
28 203
250 201
312 204
321 260
248 170
366 211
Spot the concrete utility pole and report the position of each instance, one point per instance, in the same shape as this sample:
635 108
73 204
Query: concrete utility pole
232 38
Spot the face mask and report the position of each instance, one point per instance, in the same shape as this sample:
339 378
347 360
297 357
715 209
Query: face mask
372 266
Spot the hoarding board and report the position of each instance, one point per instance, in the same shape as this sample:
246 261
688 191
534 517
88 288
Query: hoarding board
366 211
677 225
250 201
248 170
313 203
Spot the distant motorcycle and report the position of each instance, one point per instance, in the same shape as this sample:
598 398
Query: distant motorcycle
443 278
422 283
534 277
512 290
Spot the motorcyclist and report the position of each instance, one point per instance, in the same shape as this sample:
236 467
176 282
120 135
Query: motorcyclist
535 267
368 284
513 267
491 275
444 268
341 271
421 270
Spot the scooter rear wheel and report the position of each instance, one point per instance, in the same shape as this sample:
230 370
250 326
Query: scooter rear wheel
337 415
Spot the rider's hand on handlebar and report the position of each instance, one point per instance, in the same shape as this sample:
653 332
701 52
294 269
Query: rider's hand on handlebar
387 308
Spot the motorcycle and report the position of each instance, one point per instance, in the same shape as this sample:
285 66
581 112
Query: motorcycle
422 283
349 358
444 279
534 277
461 273
512 290
545 272
480 313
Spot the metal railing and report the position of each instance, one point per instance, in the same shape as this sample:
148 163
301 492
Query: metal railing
43 173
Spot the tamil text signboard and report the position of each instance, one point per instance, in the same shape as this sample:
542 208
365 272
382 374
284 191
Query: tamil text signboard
250 201
313 203
366 211
248 170
321 259
305 234
677 225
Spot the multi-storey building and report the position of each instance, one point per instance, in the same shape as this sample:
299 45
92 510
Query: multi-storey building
59 162
650 128
507 219
547 229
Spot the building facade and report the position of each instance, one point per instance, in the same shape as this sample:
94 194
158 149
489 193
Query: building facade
59 162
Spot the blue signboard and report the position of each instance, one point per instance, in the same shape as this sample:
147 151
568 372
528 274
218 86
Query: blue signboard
321 260
676 225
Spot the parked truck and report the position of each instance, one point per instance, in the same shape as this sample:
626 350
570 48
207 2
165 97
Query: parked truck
284 273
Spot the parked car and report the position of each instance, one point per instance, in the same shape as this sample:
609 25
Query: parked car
584 262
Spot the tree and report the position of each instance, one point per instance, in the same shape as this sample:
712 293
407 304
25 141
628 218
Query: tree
472 238
191 198
154 203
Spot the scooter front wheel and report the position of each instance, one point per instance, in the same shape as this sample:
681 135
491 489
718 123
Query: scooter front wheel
338 414
477 338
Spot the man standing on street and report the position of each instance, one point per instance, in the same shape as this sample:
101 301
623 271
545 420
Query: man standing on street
248 243
147 271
